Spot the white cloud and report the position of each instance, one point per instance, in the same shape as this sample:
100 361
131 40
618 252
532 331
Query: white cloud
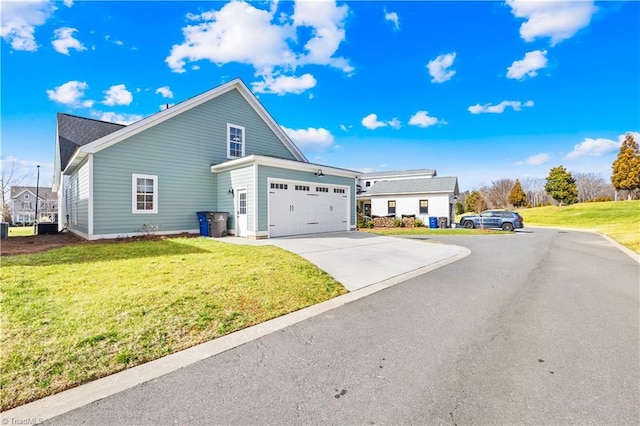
593 148
271 43
499 108
438 68
371 122
25 172
68 3
535 160
165 91
395 123
117 95
557 20
68 93
283 84
528 66
422 119
18 22
117 42
64 40
392 17
88 103
345 128
113 117
311 138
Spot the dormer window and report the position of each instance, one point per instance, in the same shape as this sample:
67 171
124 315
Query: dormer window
235 141
26 196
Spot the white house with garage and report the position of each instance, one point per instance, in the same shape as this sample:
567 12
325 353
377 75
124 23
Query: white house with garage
220 151
418 193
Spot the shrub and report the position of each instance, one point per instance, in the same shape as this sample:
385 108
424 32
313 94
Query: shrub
459 208
397 222
418 222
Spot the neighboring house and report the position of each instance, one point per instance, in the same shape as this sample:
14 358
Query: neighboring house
218 151
408 192
23 205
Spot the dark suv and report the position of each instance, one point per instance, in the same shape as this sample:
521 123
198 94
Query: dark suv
506 220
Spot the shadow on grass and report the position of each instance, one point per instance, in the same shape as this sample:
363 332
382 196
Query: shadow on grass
111 251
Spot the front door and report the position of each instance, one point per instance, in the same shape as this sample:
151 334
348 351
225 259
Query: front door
241 213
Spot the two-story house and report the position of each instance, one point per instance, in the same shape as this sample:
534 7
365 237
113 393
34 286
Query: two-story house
23 205
218 151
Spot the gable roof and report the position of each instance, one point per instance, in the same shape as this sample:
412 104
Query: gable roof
399 173
74 132
44 193
415 186
125 132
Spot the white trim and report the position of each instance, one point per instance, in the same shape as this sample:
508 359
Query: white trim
243 141
255 198
386 194
157 118
130 234
134 193
90 206
283 164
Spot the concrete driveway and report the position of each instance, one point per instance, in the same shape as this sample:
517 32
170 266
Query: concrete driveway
358 259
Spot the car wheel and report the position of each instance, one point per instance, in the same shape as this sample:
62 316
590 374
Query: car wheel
468 224
507 226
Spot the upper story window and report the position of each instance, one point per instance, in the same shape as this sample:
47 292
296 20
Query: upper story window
145 194
391 207
367 183
26 196
235 141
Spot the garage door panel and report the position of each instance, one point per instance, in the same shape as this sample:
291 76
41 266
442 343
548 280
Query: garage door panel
306 208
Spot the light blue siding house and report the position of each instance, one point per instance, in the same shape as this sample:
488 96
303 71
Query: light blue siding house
219 151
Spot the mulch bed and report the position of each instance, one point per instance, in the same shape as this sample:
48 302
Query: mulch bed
39 243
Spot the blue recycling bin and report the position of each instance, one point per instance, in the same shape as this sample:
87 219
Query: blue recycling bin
433 222
204 224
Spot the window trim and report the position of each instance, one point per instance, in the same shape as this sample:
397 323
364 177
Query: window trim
420 207
134 193
243 141
389 212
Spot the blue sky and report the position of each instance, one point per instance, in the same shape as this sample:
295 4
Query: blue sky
479 90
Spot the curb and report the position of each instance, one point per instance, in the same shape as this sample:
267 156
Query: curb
51 406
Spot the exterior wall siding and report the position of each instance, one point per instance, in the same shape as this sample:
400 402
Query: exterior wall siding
409 205
266 172
75 199
236 179
179 152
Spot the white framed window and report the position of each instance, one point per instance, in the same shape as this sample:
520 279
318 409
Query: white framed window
26 196
235 141
144 194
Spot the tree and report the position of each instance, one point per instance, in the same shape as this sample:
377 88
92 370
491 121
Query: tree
591 187
498 193
7 180
561 186
626 167
475 202
517 197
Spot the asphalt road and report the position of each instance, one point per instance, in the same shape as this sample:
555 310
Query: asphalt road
540 327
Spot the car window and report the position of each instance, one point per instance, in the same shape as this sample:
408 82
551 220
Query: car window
487 214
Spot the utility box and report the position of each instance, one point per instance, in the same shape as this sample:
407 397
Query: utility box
217 224
47 228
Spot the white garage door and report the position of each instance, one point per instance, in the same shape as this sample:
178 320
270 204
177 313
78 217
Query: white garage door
307 208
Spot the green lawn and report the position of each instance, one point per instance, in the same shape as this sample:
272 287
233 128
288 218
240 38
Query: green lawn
78 313
20 231
620 220
431 231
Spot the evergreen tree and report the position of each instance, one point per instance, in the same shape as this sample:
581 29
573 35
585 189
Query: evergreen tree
626 167
475 202
517 197
561 186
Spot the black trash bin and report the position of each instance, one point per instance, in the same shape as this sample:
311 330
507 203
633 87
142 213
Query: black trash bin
4 230
217 224
204 224
443 221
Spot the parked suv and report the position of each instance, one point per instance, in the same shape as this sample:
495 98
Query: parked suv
506 220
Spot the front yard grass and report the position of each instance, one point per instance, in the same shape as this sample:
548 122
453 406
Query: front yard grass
432 231
78 313
20 231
